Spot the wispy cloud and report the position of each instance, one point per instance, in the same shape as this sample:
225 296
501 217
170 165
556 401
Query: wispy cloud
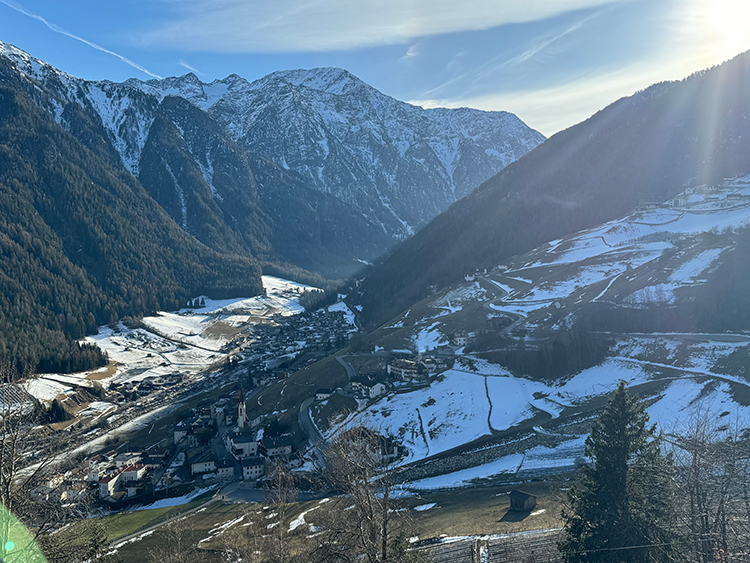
412 52
553 109
57 29
329 25
467 77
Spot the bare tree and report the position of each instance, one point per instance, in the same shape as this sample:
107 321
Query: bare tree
282 493
266 535
360 465
175 545
713 465
27 458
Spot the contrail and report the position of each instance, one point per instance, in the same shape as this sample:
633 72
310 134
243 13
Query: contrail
183 64
58 29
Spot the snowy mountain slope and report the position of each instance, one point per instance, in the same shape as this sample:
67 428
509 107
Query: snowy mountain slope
661 255
398 163
125 113
519 389
347 171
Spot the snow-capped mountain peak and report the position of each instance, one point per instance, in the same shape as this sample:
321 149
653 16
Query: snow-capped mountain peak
399 164
29 65
394 164
331 80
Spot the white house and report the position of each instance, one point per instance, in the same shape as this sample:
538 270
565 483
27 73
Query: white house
403 369
201 460
108 485
322 394
127 458
225 469
376 390
242 444
253 468
133 472
274 447
460 339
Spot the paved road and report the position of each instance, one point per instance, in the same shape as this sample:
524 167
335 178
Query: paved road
347 366
316 440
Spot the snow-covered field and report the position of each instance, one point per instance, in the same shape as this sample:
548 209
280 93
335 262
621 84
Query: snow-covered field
210 327
44 389
465 405
476 398
506 465
341 307
186 342
429 338
175 501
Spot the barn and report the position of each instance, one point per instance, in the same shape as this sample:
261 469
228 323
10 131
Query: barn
522 502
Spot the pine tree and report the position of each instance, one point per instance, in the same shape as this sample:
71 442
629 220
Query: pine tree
622 510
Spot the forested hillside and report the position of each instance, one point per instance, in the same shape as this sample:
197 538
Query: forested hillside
81 242
649 147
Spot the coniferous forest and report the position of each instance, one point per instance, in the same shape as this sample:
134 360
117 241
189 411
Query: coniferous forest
81 242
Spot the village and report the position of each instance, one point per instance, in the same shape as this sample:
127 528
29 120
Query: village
216 443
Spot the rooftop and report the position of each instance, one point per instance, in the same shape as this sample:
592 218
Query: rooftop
254 461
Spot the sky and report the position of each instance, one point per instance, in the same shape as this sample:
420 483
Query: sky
554 63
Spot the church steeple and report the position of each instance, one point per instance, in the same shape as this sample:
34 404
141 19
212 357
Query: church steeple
241 411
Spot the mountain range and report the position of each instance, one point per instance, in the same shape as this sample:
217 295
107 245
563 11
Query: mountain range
648 147
124 198
312 168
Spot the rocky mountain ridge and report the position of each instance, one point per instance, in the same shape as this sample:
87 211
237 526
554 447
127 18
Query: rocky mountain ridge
344 137
647 147
346 168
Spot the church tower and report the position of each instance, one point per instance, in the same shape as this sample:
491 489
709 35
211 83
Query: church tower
241 411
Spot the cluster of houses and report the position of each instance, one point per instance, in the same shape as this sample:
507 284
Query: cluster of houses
286 337
420 368
241 452
696 195
111 477
133 473
120 392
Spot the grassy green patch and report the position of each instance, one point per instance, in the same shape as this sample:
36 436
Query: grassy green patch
126 523
484 510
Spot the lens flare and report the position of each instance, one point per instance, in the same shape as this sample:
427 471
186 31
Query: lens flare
16 543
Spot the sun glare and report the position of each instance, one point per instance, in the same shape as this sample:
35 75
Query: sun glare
729 21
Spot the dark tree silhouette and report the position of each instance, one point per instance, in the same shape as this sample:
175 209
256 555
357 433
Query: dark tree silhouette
622 509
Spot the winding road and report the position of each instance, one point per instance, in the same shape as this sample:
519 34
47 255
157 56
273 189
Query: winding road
347 366
315 438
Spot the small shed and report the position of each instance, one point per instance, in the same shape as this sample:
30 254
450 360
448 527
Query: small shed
522 502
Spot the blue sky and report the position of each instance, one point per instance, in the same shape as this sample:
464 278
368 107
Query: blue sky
552 62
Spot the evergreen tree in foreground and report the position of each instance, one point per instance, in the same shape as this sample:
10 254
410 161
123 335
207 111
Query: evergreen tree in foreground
622 511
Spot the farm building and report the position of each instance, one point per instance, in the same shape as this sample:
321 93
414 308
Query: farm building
522 502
